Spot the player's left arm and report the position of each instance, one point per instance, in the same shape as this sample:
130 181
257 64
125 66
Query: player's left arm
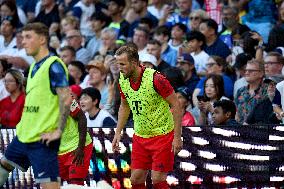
177 116
165 89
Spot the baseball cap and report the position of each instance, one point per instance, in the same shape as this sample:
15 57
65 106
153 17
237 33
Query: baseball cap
76 89
275 79
146 57
184 91
11 19
96 64
186 58
241 60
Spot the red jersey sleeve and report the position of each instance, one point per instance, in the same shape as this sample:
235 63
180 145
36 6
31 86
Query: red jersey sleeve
74 108
162 85
121 93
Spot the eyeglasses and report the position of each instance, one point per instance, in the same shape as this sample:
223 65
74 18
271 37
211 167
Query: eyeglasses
9 81
269 62
210 64
71 37
194 18
251 70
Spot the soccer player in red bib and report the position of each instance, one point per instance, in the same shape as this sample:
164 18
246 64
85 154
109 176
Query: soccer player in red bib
157 130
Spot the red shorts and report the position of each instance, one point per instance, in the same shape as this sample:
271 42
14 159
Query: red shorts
153 153
69 171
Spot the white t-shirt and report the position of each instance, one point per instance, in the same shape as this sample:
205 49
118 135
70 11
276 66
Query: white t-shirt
98 121
85 25
14 52
200 61
3 47
156 12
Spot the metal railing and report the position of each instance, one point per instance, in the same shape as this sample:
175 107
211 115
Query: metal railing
229 156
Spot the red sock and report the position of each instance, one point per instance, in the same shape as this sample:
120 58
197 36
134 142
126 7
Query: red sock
161 185
138 186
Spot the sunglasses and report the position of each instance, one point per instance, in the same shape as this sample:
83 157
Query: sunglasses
194 18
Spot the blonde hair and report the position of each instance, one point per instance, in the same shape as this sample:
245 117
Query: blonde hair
71 20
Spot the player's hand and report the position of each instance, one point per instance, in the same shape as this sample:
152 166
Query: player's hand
177 145
78 156
52 136
115 143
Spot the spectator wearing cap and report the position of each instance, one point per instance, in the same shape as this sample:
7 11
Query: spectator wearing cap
98 21
214 45
148 60
74 39
121 26
76 91
271 82
90 104
273 64
168 54
178 32
8 29
17 55
97 79
195 44
186 64
184 97
240 66
154 47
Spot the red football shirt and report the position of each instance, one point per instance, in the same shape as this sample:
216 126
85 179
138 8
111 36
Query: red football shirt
161 84
11 112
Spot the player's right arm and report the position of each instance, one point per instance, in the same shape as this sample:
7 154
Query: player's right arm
123 114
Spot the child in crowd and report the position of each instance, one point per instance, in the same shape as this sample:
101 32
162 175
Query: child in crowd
96 117
224 113
184 96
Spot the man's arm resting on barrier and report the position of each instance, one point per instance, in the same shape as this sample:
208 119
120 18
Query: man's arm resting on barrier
123 114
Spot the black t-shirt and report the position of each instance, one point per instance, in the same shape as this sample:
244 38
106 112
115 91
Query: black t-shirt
49 18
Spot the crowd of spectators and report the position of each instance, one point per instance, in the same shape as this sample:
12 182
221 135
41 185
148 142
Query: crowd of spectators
225 64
